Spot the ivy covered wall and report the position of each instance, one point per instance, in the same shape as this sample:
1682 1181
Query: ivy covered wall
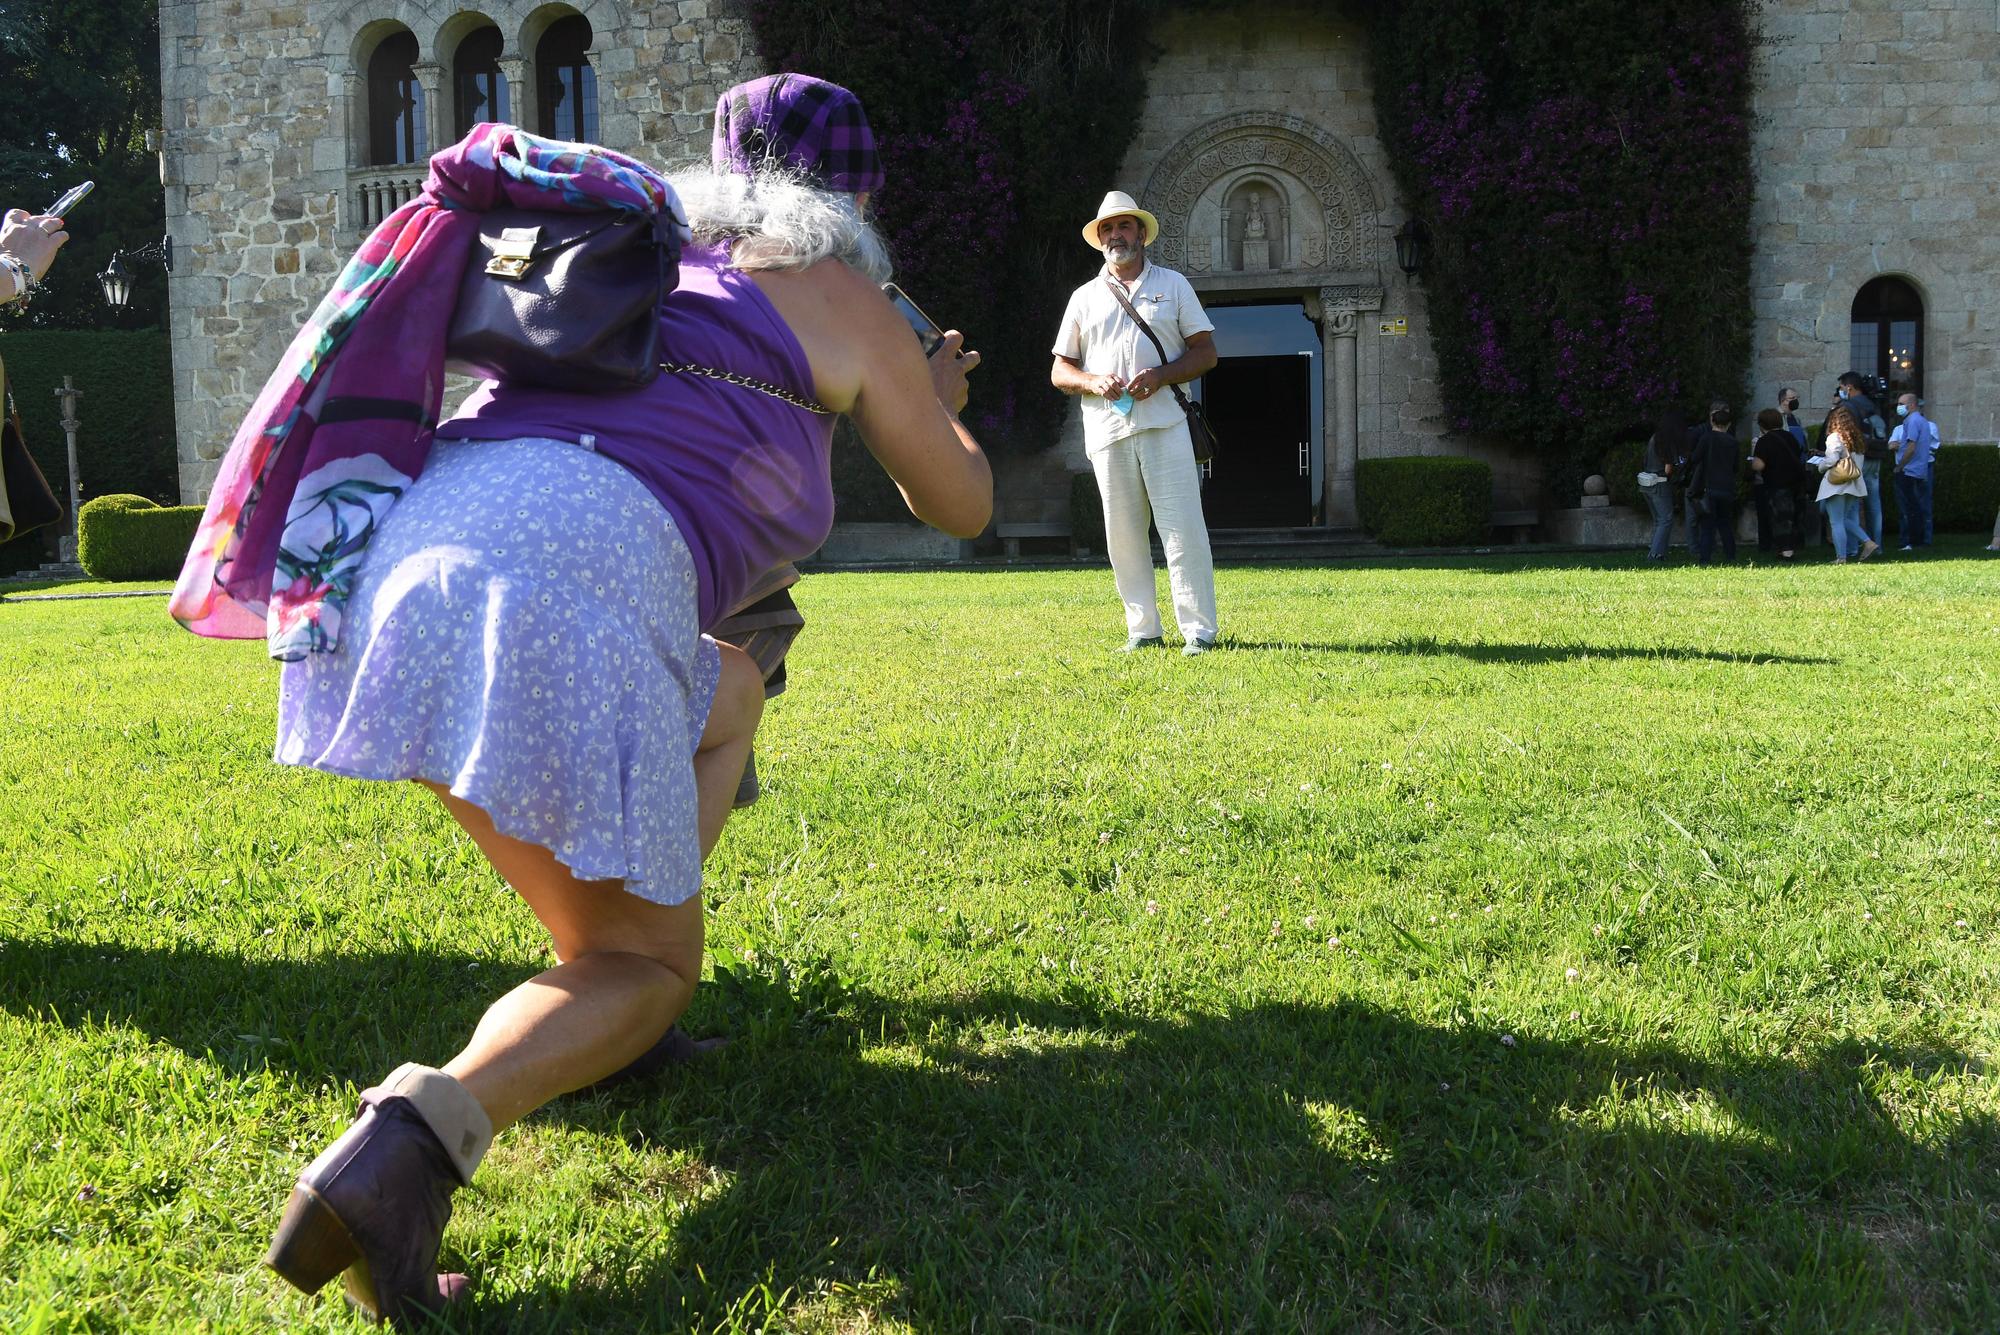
1583 170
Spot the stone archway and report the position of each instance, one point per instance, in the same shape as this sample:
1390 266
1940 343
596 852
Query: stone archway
1337 232
1319 238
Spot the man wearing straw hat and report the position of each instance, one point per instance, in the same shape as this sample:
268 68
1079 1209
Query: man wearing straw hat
1133 430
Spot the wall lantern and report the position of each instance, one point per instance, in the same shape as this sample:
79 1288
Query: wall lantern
1412 241
116 279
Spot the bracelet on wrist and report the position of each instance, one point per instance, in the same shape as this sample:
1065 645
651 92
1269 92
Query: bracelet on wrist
24 282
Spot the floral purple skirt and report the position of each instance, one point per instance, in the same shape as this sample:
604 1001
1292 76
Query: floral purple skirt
523 631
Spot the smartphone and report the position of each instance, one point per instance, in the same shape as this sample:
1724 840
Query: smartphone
929 336
70 199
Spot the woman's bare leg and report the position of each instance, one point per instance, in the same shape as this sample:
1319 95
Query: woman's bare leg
725 742
628 970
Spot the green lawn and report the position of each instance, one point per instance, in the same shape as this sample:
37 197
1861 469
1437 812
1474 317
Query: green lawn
1533 942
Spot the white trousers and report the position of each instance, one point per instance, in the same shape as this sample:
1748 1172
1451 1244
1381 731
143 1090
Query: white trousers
1151 475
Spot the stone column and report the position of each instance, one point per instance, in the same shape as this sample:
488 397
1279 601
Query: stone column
354 92
438 117
1341 309
514 69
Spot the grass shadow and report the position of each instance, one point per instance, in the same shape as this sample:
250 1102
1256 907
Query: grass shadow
1285 1166
1048 1163
1483 652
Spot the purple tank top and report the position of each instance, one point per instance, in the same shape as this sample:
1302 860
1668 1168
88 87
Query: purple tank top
747 477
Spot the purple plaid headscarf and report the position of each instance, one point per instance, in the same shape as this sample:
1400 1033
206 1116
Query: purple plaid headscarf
816 126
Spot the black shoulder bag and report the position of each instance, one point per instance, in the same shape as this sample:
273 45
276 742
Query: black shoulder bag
564 300
1197 420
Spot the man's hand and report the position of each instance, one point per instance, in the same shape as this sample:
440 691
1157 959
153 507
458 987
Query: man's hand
949 365
1107 386
1146 384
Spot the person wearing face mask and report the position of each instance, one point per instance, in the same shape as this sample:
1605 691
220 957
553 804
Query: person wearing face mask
1914 445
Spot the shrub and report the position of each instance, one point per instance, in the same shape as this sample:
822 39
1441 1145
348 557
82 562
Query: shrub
1621 472
129 537
1424 500
1967 491
1086 512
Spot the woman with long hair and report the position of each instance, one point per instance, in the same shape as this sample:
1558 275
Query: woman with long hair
1842 500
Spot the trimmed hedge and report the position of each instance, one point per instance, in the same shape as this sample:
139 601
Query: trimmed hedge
1967 493
126 442
1425 500
129 537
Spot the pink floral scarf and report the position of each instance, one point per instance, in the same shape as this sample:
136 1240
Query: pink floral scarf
343 426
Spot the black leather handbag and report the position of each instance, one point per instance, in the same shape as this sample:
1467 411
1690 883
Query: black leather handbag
564 300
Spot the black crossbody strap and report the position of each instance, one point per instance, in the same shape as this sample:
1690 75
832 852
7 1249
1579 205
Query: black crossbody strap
1146 329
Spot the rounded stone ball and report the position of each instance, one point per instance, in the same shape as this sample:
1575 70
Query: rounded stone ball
1594 485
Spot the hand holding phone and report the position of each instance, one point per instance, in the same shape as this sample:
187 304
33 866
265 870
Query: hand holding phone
929 335
69 200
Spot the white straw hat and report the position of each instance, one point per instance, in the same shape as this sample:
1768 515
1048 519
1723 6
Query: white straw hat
1118 204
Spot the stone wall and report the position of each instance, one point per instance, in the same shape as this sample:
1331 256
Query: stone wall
1877 145
265 106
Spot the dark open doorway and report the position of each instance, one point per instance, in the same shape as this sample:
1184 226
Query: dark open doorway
1261 409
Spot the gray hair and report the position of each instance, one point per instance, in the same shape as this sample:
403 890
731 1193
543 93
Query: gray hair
779 220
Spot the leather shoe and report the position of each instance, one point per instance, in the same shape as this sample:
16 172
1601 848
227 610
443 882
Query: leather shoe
675 1048
374 1204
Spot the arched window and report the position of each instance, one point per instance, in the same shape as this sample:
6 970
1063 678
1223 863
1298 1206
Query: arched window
477 84
1886 334
395 103
568 84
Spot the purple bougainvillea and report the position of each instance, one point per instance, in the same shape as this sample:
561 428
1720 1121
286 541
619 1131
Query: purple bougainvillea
1000 125
1583 168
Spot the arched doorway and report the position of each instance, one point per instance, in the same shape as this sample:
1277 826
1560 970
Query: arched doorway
1278 227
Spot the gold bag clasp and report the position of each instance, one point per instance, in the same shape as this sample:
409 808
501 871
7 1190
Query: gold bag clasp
513 252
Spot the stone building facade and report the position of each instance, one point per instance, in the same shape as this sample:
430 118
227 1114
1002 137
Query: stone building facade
272 150
1877 142
1257 147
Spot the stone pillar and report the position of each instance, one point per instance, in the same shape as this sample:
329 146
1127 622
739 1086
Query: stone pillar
1341 309
354 92
514 69
592 59
438 117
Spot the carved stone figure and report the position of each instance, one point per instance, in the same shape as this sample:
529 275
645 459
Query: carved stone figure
1256 236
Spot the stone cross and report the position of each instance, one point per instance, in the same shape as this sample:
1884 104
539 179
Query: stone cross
69 394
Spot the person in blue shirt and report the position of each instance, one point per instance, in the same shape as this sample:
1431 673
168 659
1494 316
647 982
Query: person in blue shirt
1913 445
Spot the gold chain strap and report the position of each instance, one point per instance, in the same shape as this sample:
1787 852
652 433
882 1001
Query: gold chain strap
746 382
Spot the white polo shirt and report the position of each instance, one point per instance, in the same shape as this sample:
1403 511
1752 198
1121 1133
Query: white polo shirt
1097 333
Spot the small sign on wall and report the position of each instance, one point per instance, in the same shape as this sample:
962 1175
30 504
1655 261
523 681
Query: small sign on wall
1396 328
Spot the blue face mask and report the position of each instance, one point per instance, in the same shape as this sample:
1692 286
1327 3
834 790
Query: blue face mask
1902 410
